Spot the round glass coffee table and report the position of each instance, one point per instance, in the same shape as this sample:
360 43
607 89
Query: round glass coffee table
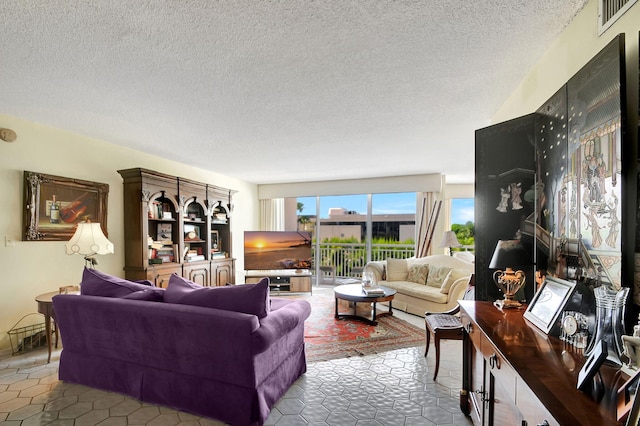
355 294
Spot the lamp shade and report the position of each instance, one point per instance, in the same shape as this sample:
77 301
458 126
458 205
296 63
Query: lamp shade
510 254
449 239
89 240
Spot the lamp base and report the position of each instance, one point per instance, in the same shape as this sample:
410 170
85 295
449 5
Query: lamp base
507 304
90 262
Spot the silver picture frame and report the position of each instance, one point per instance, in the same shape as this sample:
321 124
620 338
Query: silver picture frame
548 302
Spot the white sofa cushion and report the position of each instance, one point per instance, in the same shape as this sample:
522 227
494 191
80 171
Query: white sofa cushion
418 274
424 292
397 269
454 276
438 275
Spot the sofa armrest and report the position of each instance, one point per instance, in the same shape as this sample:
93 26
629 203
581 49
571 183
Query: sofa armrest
456 292
375 267
285 315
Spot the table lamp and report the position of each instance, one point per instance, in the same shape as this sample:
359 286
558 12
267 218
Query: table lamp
450 240
89 240
509 255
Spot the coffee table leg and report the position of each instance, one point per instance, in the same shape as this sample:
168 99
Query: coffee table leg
390 307
336 307
374 312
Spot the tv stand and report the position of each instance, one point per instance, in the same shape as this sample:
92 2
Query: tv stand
282 281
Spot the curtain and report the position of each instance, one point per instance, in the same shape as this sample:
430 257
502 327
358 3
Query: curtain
428 209
272 214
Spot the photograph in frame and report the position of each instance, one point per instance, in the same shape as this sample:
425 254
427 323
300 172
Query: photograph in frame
548 302
215 241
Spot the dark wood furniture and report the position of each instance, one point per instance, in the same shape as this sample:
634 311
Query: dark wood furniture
513 374
196 218
445 325
355 294
45 307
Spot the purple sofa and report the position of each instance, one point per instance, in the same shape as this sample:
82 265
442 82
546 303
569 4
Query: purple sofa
156 346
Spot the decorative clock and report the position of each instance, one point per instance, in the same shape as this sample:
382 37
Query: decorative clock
574 329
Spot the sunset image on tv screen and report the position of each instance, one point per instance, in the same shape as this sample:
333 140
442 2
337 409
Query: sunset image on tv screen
271 250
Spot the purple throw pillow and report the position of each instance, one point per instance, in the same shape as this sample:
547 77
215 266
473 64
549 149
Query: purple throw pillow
96 283
150 295
248 298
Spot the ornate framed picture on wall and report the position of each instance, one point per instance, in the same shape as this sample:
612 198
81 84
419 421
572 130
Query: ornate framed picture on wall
55 204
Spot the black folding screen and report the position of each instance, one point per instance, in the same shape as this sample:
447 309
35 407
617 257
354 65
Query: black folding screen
505 175
572 168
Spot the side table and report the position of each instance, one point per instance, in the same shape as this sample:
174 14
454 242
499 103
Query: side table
45 307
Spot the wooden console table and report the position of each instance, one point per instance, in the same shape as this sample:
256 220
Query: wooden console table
514 374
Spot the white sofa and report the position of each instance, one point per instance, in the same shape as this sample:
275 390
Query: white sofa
417 298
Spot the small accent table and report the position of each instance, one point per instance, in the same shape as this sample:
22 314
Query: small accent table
354 293
45 307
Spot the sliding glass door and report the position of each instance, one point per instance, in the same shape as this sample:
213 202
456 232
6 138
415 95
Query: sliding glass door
350 230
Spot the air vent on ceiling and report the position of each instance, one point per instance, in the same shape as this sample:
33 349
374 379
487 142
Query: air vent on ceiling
609 11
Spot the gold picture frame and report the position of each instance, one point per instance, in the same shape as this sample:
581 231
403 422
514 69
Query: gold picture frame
75 201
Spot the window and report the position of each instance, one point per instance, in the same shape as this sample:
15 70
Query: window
462 221
350 234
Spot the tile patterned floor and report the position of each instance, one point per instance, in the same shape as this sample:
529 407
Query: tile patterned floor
393 388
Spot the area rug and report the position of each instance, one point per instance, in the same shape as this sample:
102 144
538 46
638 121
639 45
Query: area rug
328 338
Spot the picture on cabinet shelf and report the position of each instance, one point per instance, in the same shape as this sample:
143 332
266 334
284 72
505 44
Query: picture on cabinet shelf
215 241
55 205
164 233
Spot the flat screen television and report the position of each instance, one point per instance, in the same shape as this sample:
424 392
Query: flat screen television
273 250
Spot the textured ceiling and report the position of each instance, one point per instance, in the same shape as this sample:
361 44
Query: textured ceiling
280 90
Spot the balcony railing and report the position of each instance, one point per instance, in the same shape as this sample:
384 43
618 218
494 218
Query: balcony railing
347 256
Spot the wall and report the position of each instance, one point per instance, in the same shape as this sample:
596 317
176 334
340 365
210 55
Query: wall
573 49
31 268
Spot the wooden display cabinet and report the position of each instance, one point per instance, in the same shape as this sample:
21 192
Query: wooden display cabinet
169 228
222 271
